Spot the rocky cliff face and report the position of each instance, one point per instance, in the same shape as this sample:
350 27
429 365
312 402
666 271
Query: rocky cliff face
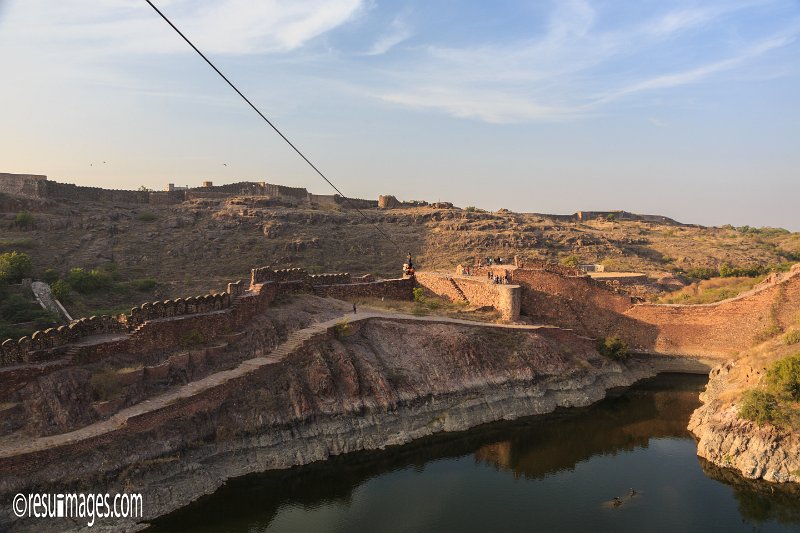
757 452
379 384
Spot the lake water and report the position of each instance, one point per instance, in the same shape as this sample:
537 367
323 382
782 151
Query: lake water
554 473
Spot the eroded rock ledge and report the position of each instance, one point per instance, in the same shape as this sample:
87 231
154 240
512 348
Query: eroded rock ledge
383 383
757 452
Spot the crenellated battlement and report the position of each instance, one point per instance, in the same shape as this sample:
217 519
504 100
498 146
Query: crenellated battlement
162 324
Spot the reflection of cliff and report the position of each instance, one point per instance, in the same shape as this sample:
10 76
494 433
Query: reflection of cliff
759 501
528 447
616 424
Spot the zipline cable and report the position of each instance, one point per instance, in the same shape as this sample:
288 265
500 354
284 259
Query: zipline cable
335 188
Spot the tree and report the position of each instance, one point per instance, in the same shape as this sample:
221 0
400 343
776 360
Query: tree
14 266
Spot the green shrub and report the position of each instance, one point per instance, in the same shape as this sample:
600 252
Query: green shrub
702 273
61 291
792 337
784 377
613 348
25 219
342 328
571 261
750 271
144 284
14 266
758 406
419 294
87 282
105 385
146 216
16 308
192 338
470 209
50 275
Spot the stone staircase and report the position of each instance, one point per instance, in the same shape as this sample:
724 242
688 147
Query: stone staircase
458 290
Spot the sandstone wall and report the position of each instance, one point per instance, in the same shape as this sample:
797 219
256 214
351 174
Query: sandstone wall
165 324
78 192
713 330
477 291
395 289
29 185
355 203
723 328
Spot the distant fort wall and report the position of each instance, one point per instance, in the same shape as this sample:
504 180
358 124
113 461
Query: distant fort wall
36 186
28 185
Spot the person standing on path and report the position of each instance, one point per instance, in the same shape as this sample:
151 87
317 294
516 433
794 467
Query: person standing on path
354 308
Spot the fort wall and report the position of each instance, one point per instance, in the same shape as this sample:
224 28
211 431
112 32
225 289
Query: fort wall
712 330
28 185
726 327
395 289
163 325
477 291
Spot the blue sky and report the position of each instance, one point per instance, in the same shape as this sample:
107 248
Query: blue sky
688 109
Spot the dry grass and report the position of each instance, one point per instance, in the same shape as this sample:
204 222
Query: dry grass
710 291
431 306
196 246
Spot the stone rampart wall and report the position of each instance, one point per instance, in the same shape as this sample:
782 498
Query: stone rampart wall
726 327
330 279
713 330
395 289
504 298
355 203
165 324
43 345
34 186
28 185
78 192
434 284
166 197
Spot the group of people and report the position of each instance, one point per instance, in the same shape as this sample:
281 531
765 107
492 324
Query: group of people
505 279
491 261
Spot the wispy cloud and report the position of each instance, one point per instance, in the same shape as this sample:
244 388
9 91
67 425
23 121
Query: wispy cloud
398 32
697 74
576 66
223 26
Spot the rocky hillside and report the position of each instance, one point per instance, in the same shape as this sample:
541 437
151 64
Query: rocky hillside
763 443
201 244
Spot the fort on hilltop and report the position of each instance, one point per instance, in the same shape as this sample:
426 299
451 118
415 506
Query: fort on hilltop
38 186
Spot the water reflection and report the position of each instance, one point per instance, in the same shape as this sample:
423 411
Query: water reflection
559 472
758 500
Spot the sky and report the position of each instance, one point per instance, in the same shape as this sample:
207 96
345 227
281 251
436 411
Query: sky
681 108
